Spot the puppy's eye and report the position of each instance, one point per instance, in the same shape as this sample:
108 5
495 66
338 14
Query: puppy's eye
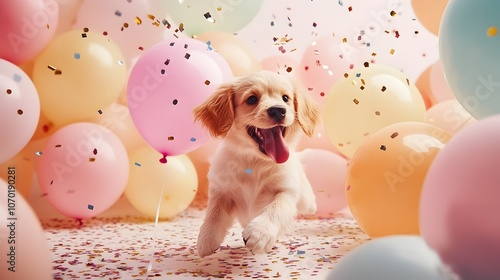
285 98
252 100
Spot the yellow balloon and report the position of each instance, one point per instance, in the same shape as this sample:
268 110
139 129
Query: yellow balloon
367 99
240 57
116 118
148 176
385 177
78 74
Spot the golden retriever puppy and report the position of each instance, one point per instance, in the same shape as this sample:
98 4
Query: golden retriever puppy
255 175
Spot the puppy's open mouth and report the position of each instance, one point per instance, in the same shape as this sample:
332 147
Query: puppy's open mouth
271 141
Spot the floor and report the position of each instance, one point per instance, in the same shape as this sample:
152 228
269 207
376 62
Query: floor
122 244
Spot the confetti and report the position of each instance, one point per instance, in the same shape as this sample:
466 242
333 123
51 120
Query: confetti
394 135
20 112
138 21
170 138
348 187
85 29
94 151
366 64
118 13
193 139
125 24
175 102
209 17
167 62
76 55
91 159
187 56
207 82
383 88
162 71
17 78
492 31
38 153
51 67
248 171
393 13
84 35
57 72
377 113
137 164
355 101
349 9
58 146
9 91
392 51
99 111
90 207
186 46
383 148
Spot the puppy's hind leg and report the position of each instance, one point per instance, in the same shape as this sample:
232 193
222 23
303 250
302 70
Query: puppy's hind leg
218 219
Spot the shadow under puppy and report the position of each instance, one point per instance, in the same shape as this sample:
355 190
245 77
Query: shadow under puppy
256 175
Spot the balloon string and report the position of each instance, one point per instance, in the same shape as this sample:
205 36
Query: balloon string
462 125
150 265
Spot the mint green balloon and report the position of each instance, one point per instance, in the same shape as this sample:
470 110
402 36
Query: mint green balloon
469 49
199 16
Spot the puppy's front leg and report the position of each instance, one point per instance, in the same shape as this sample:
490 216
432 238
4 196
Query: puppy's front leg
263 231
218 219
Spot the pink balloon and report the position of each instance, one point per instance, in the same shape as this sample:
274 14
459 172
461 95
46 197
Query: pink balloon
323 63
83 170
439 87
19 109
326 171
164 87
282 64
459 201
27 26
127 23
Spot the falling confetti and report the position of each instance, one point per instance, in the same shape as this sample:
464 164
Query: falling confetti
187 56
99 111
383 88
90 207
170 138
394 135
138 21
94 151
175 101
355 101
393 13
38 153
383 148
91 159
9 91
76 55
248 171
17 78
207 82
118 13
20 112
137 164
193 139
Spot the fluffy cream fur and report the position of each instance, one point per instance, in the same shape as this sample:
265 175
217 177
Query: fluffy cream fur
246 183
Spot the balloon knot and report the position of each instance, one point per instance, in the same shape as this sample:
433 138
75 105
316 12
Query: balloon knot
163 159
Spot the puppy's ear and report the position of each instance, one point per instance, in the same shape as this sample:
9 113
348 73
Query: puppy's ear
308 114
217 112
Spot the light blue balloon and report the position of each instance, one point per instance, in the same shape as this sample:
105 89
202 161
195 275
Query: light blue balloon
391 258
470 54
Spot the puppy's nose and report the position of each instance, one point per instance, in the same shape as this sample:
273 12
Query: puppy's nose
277 113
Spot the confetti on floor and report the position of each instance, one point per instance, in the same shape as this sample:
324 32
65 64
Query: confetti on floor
123 248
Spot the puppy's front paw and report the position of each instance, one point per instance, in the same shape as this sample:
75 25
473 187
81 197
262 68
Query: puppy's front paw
260 235
208 241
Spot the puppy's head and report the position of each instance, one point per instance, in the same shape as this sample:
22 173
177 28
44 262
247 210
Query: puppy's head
264 108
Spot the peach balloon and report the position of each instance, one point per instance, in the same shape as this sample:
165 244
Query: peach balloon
437 81
78 74
385 177
239 56
423 85
116 118
29 257
27 27
19 109
24 167
177 177
429 13
367 99
449 115
326 171
83 170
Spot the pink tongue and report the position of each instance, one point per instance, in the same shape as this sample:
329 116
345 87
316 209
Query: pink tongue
274 144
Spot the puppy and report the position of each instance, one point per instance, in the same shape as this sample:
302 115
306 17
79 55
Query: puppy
255 174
